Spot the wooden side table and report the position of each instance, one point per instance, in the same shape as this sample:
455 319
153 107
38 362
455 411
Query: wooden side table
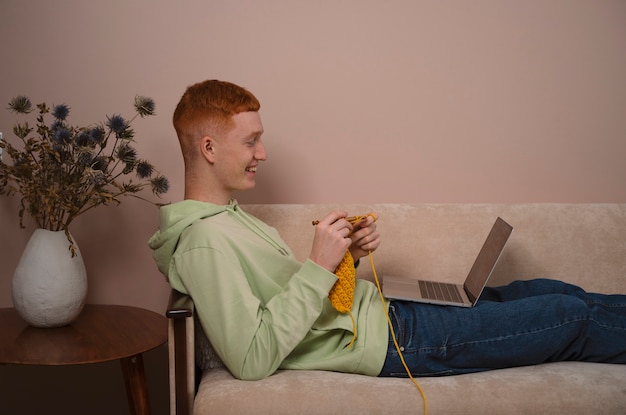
101 333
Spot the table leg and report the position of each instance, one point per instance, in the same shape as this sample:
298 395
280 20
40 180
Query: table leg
136 388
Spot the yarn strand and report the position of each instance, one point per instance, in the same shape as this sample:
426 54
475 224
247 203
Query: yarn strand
342 297
393 336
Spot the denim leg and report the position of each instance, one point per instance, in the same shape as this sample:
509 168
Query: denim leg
615 303
543 286
521 324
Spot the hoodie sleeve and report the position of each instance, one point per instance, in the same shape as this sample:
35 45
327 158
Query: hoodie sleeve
253 315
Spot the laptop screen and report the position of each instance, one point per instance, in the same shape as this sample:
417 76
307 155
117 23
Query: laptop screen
487 259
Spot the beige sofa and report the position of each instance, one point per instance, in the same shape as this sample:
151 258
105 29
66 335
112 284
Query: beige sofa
584 244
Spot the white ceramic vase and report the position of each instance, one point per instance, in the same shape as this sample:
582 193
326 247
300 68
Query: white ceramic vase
49 285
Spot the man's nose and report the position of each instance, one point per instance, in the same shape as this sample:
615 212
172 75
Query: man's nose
260 153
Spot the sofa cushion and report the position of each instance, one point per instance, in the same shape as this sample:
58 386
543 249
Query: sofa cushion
553 388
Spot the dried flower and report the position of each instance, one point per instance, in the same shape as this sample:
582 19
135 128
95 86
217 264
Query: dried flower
144 169
62 170
60 112
144 105
160 184
21 104
117 124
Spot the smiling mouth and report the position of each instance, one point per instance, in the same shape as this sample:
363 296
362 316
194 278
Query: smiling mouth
251 169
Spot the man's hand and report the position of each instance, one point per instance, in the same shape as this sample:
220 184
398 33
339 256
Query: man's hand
364 237
332 239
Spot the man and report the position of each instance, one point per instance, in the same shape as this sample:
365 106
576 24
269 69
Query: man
263 310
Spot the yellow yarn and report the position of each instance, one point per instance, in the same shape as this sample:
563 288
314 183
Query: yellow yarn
393 336
342 296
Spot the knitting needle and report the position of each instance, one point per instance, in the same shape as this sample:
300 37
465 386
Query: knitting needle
349 219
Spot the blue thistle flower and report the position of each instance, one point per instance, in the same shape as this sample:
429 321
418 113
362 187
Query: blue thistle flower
62 136
57 125
127 154
144 105
83 138
60 112
117 124
97 135
144 169
99 163
160 185
20 104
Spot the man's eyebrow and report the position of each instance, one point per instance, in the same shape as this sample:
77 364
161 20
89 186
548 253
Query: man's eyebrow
255 133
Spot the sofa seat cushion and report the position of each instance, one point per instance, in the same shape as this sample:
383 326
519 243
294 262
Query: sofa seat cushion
554 388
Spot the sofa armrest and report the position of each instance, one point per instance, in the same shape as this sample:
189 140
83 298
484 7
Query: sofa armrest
180 312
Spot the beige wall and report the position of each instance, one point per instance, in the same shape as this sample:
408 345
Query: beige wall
363 101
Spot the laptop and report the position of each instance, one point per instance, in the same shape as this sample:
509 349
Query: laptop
461 295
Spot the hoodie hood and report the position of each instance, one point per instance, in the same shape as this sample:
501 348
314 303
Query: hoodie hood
174 219
177 217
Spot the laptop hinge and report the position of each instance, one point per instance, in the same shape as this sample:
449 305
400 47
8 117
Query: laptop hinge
471 296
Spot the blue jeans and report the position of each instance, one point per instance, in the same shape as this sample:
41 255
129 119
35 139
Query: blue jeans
524 323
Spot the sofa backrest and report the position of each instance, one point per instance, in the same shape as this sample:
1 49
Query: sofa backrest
584 244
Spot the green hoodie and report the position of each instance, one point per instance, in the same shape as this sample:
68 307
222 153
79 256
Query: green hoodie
261 309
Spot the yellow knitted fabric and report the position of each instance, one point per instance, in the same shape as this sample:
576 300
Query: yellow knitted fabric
342 294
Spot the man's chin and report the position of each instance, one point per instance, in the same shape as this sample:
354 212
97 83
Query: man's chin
248 186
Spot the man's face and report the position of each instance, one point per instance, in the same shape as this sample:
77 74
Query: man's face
238 153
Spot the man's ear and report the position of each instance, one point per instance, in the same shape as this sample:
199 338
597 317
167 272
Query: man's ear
207 148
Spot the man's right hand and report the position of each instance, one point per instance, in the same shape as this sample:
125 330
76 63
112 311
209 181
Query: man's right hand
331 240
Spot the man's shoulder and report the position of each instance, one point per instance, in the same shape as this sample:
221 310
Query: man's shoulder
218 223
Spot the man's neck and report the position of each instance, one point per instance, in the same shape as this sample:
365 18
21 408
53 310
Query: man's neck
207 198
205 192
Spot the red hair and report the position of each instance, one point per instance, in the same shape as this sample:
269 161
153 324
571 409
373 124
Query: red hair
207 108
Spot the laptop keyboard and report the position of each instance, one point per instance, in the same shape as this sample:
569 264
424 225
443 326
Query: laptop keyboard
440 291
